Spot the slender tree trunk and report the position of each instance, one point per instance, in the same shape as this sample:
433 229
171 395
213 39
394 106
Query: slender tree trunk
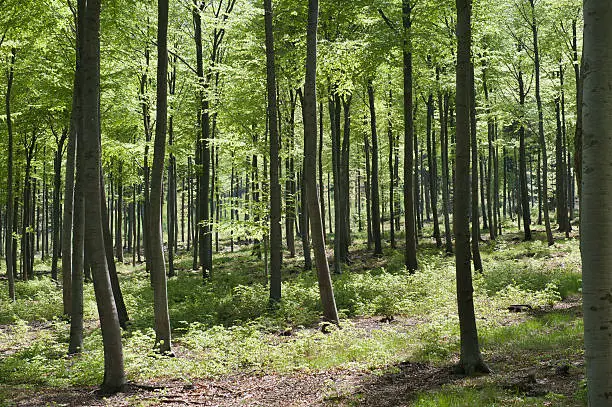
536 60
474 156
376 234
57 185
448 241
368 188
310 166
320 162
391 172
433 164
275 190
470 361
158 265
10 220
524 194
410 258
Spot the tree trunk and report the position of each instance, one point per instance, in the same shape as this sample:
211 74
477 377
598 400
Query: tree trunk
275 189
391 172
57 185
10 220
596 222
524 194
375 195
410 258
474 155
470 361
536 61
158 265
310 166
89 168
432 164
448 240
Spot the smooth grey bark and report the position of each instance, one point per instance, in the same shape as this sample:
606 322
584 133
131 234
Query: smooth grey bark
275 189
470 361
310 166
596 221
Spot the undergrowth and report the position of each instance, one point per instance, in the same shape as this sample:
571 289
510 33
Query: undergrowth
225 324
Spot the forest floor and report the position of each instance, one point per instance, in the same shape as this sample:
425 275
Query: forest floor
397 343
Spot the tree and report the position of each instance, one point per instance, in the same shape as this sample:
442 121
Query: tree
10 271
90 168
158 265
310 166
410 258
470 361
375 195
538 95
275 190
596 217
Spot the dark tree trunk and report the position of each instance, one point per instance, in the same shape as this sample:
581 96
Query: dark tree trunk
391 170
375 195
410 258
290 182
368 184
433 163
119 215
57 185
524 193
474 155
275 189
158 265
578 69
10 219
448 240
320 162
536 61
470 361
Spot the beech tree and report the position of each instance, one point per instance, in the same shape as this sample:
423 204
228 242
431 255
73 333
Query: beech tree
596 218
470 361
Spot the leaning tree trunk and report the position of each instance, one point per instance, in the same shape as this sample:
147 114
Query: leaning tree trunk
90 167
596 222
310 166
470 361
